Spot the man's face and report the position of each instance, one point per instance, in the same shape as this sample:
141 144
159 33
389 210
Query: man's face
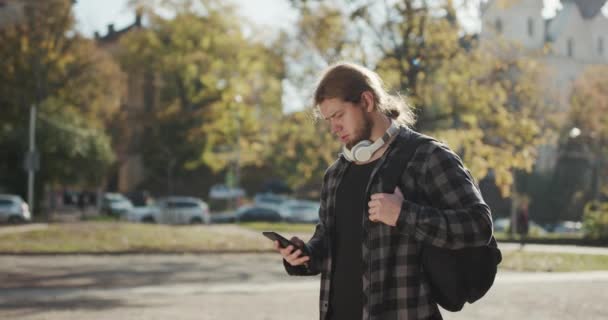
348 121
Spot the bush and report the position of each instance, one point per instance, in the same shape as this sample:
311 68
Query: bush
595 220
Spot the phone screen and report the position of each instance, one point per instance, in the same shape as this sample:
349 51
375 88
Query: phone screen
283 242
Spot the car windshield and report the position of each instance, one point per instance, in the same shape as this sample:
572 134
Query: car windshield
115 197
6 202
183 204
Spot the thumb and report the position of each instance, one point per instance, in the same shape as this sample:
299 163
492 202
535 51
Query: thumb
398 192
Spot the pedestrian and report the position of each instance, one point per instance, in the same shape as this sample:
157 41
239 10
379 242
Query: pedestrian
367 242
523 222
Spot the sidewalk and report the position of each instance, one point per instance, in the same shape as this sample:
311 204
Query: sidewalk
553 248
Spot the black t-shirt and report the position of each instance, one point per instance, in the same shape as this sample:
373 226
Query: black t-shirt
346 294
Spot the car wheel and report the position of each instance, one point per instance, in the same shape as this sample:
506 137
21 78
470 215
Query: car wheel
196 220
15 220
148 219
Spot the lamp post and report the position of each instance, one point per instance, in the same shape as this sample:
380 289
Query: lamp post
596 150
32 161
237 161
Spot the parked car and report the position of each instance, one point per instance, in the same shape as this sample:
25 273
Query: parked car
250 213
300 211
13 209
502 225
178 210
141 214
269 200
115 204
223 217
568 227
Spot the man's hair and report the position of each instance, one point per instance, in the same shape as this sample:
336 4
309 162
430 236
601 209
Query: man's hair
347 81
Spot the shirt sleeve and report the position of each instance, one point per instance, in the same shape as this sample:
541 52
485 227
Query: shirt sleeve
316 246
457 216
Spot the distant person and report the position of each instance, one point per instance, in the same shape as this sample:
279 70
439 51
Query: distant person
82 203
367 242
523 222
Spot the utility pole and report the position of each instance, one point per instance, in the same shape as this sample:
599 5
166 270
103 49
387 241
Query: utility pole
237 170
31 160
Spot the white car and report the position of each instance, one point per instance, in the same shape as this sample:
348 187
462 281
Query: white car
300 211
13 209
115 204
269 200
176 210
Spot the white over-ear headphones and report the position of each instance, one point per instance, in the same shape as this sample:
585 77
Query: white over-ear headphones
364 150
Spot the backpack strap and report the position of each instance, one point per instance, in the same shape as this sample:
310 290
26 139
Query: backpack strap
403 152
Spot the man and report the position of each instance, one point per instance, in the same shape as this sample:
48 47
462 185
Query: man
367 243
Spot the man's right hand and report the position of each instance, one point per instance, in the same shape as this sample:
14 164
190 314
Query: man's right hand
292 255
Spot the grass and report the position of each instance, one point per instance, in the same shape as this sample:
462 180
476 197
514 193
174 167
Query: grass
116 237
552 262
280 227
120 237
549 236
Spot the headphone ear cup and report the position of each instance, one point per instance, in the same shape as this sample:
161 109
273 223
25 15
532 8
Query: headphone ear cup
359 152
347 154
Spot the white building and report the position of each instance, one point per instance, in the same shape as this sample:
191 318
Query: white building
575 39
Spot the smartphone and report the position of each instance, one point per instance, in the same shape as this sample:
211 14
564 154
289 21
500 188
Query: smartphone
283 242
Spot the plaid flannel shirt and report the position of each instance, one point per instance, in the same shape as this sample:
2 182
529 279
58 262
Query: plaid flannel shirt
452 215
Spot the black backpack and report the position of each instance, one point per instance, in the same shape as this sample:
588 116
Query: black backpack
456 276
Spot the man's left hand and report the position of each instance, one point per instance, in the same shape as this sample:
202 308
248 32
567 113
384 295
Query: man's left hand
385 207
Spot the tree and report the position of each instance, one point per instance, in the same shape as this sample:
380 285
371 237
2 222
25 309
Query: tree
484 102
589 111
300 149
586 131
218 87
75 86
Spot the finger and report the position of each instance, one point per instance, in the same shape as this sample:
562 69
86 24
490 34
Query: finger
286 251
295 255
377 196
373 211
297 241
276 246
301 260
373 203
374 218
398 192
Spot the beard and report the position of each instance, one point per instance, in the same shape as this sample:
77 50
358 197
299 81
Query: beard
364 132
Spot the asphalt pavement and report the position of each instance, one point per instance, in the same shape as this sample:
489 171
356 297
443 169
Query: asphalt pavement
244 286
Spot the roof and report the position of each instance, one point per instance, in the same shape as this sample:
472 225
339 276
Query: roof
113 35
589 8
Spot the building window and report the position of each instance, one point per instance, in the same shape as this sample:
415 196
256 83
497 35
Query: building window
498 25
530 27
570 47
600 46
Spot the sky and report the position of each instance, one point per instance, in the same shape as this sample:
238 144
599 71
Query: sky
95 15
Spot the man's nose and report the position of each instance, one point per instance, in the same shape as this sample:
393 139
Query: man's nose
335 128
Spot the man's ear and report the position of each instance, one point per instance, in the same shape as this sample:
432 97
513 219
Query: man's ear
367 101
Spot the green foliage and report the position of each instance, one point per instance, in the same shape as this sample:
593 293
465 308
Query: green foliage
75 87
300 150
482 101
219 88
595 220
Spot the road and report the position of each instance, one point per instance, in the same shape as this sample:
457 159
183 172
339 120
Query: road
244 286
